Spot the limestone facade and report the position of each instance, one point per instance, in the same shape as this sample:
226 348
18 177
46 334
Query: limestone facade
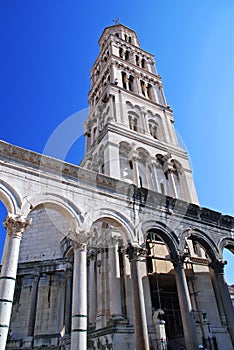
117 253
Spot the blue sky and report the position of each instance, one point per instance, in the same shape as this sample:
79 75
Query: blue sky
49 46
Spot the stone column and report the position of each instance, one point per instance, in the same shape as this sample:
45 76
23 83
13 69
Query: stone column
114 280
218 267
140 322
68 301
190 336
61 306
33 307
79 293
92 287
15 226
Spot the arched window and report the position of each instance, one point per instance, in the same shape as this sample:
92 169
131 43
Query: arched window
121 52
124 80
130 83
143 88
137 60
127 55
132 122
150 92
159 95
143 63
162 187
153 128
126 165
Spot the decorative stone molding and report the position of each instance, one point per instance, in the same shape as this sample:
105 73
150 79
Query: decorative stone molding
218 266
133 252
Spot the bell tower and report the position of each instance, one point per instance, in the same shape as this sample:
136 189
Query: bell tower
129 131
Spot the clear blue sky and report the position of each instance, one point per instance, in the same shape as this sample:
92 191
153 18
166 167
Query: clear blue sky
49 46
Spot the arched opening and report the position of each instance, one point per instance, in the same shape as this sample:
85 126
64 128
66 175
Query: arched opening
206 294
43 293
107 300
163 289
126 165
229 257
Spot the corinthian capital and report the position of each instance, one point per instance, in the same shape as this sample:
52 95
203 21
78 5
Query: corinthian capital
218 266
79 238
16 224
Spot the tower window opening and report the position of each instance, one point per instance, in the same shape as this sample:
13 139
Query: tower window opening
131 164
133 123
127 55
121 52
124 80
153 128
130 39
130 83
162 188
117 34
137 60
150 92
143 88
125 37
143 65
140 180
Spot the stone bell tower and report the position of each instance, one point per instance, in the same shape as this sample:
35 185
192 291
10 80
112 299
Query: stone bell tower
130 132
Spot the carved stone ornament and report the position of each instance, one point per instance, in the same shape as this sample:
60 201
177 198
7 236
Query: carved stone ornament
133 252
178 259
16 224
218 266
79 238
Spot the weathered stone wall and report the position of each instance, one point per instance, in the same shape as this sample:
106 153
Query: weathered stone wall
42 239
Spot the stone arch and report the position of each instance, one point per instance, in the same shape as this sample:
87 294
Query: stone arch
164 232
227 243
10 198
206 242
112 215
51 200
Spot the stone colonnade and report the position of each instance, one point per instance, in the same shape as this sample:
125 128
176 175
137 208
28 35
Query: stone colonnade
16 225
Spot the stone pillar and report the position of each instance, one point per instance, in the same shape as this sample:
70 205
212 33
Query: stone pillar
114 280
68 301
33 307
140 322
79 293
61 306
190 336
15 226
92 287
218 267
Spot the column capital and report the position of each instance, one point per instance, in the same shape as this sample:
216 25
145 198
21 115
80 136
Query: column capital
218 266
16 224
79 238
133 252
178 259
